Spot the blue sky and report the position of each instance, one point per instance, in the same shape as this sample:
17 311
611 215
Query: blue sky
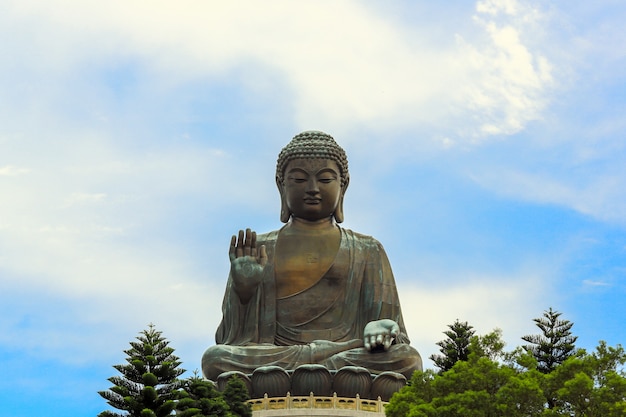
486 143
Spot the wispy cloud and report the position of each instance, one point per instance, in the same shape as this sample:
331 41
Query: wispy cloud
509 83
486 302
359 68
12 171
85 198
137 136
592 283
600 196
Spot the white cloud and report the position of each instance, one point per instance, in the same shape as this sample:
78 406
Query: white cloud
85 198
76 225
508 84
599 195
485 302
91 217
89 328
11 171
346 66
115 213
592 283
493 7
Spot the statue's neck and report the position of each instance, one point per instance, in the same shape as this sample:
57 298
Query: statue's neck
302 225
304 252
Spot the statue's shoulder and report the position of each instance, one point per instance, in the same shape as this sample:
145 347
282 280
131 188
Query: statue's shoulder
267 238
365 240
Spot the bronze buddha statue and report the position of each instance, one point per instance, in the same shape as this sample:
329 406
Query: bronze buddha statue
311 292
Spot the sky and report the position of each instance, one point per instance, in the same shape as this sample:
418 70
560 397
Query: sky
486 142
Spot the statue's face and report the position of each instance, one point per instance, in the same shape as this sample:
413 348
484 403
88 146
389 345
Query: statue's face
312 188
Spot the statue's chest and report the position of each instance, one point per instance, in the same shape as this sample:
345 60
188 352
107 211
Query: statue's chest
302 260
320 305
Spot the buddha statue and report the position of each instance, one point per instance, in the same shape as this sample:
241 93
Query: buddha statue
312 292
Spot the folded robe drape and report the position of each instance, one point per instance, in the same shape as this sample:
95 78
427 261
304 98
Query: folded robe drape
322 324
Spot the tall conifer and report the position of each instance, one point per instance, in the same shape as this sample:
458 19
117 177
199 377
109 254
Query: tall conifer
200 398
236 394
555 343
455 347
149 380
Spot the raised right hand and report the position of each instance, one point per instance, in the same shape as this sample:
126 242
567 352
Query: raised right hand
246 263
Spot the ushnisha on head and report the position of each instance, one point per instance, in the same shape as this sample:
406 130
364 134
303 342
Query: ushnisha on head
312 145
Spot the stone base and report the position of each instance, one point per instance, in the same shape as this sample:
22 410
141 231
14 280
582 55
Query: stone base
314 406
315 380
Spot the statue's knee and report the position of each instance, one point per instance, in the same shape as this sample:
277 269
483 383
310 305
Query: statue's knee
211 360
410 355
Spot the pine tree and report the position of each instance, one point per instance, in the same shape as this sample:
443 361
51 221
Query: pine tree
555 343
455 347
586 384
200 398
236 394
149 381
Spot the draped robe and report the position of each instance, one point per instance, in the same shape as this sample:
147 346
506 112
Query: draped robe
321 324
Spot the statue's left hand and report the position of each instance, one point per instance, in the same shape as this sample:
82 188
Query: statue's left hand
380 333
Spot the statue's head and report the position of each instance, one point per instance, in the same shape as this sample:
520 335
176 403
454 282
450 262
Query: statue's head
319 151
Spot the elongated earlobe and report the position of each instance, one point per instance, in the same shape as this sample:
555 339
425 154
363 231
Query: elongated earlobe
338 214
284 211
285 214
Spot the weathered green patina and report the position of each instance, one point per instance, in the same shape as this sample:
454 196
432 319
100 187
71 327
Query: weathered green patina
311 292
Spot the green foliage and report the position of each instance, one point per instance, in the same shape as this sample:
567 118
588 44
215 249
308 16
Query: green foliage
455 347
555 343
494 383
478 386
149 380
590 384
236 394
414 399
489 346
200 398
